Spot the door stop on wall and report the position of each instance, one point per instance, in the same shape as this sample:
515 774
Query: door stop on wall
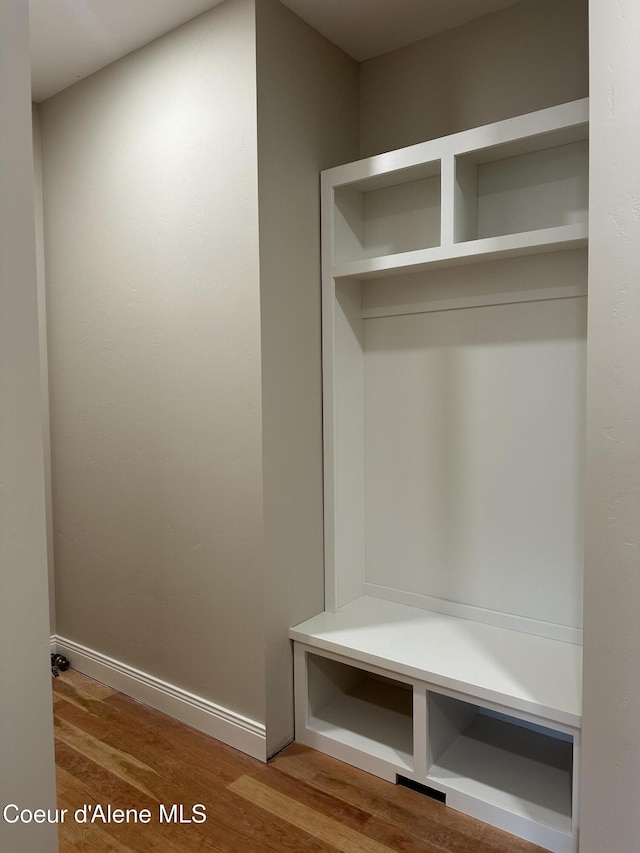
58 664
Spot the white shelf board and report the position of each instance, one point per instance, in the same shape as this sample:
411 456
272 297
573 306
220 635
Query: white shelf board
483 764
557 125
384 730
522 672
556 239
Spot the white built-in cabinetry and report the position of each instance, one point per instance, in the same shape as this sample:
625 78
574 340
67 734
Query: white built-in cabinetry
454 333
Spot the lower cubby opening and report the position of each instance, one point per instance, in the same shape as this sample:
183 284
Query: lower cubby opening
365 711
511 769
503 762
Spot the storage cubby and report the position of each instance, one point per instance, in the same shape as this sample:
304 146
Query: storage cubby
505 764
362 710
500 193
512 765
376 217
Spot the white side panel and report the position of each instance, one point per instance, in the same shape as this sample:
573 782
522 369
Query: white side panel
465 200
349 442
348 225
473 456
421 756
447 719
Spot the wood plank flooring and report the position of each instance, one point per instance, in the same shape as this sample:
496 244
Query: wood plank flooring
111 750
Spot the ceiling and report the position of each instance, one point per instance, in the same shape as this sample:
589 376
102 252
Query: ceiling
71 39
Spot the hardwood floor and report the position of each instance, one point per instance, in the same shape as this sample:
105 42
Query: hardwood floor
111 750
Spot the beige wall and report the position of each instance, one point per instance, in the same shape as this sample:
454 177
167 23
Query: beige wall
523 58
151 231
610 819
27 765
185 349
307 121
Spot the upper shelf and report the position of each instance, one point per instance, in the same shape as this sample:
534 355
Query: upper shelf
516 187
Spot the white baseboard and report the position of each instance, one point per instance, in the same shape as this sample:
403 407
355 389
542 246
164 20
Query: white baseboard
221 723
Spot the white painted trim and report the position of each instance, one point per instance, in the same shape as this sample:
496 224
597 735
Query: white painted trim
524 624
480 301
242 733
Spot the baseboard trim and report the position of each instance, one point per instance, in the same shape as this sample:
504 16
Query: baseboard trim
221 723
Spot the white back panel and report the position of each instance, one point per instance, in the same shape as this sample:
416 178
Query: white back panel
474 444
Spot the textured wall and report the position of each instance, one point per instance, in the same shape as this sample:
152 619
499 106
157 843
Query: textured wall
523 58
26 730
307 121
610 819
150 183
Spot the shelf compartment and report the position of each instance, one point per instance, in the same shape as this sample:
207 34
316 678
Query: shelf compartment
367 712
499 192
521 769
388 215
